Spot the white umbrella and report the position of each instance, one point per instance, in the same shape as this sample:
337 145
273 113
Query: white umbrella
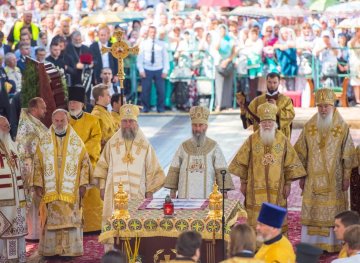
346 23
347 9
290 11
252 11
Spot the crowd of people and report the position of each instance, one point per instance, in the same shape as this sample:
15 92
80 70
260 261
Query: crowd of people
58 182
177 45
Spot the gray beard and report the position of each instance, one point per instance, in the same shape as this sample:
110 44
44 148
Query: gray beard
324 124
5 139
268 136
199 139
128 134
60 131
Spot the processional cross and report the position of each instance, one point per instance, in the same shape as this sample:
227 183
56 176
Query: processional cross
120 50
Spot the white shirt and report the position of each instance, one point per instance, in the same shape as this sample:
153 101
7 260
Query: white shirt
104 57
160 55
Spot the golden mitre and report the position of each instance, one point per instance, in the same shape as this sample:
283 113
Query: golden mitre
129 112
199 115
325 96
267 111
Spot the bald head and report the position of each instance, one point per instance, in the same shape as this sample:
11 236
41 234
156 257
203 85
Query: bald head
60 120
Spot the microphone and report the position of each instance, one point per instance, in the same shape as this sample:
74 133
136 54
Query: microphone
223 173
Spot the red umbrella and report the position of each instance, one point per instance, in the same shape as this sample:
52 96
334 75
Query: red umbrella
220 3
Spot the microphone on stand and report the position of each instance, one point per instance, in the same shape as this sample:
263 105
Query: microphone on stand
223 173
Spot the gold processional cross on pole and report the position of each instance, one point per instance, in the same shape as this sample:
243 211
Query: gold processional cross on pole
120 50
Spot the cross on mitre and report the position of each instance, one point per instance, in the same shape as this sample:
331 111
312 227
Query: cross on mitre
120 50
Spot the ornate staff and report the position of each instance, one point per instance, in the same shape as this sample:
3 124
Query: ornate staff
120 50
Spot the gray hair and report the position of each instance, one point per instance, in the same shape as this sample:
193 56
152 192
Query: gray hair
75 34
57 111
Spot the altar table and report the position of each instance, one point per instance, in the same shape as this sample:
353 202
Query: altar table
158 234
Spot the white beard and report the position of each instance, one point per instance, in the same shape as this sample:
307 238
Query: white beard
324 123
5 139
268 136
75 113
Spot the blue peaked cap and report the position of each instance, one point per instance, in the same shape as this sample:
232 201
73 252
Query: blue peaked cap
272 215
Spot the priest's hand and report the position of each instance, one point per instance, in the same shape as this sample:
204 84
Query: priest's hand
173 193
286 191
243 188
82 191
149 195
102 194
39 191
345 184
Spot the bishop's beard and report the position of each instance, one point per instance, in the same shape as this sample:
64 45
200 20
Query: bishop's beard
199 138
268 136
324 123
129 133
5 138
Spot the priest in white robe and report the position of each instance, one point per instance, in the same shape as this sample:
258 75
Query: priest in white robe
198 162
12 200
129 158
30 130
61 174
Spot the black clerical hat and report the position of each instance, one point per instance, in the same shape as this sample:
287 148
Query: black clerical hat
77 93
306 253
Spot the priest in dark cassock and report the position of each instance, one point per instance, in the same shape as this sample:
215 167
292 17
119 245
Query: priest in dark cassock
73 53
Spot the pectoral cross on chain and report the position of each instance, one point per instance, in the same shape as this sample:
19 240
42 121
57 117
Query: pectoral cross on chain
120 50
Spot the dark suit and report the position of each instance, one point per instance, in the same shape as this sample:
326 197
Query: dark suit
7 49
72 57
98 64
21 64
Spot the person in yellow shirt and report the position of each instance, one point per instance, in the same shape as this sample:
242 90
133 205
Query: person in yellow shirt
88 129
342 221
306 253
242 245
102 100
275 247
115 112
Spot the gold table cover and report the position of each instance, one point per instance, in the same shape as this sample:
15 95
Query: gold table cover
151 223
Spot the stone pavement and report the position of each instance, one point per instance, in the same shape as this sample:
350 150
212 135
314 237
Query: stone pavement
167 131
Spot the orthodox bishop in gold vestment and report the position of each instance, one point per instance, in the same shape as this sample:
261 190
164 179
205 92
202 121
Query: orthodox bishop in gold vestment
326 149
129 158
61 173
88 128
266 164
285 111
197 162
30 130
12 200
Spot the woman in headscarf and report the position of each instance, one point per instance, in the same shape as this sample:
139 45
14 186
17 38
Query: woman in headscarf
268 51
286 55
224 69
